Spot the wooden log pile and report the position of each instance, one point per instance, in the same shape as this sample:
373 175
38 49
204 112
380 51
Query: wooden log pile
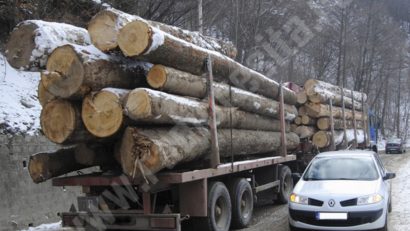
315 121
115 109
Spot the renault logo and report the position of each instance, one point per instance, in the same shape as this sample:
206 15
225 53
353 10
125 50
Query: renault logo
332 203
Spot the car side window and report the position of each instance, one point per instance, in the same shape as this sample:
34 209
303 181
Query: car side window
380 164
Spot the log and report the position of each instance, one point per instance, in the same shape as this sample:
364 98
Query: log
298 120
323 90
159 148
61 123
140 40
46 165
305 131
73 71
43 95
324 123
102 112
105 26
322 139
302 111
307 120
321 110
150 106
301 97
293 127
32 41
182 83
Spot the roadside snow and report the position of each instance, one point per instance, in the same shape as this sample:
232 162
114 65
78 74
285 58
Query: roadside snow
46 227
19 107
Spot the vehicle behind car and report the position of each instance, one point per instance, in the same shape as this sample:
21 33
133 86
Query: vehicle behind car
343 190
395 146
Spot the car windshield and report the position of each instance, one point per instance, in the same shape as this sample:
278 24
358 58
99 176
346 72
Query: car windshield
342 168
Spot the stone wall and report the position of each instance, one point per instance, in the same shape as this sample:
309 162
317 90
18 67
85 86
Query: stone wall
23 202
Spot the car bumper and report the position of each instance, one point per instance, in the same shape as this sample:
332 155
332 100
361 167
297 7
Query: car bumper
357 220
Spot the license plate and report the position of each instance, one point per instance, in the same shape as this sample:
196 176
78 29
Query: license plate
331 216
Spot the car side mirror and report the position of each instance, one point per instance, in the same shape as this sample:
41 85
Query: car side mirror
389 176
296 177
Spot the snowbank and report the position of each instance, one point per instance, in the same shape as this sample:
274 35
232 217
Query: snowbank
19 107
46 227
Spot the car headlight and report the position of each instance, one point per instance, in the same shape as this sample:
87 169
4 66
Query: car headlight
299 199
372 199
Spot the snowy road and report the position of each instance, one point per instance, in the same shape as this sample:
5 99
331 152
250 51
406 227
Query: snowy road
274 217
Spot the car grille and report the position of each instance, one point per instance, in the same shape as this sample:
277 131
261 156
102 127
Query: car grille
353 218
314 202
351 202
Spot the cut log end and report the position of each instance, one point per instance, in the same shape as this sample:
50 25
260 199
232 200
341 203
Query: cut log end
65 72
20 46
321 139
138 104
138 151
104 31
43 95
301 97
36 168
135 38
58 120
102 114
157 77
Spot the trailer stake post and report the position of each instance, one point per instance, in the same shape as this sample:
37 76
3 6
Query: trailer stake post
332 127
354 124
283 150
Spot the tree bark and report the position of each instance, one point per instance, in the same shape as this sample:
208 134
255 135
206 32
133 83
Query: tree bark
305 131
313 86
73 71
324 97
322 110
46 165
324 124
32 41
150 106
61 123
102 112
159 148
107 24
322 139
182 83
139 39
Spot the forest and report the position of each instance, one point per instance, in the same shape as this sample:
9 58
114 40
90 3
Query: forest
363 45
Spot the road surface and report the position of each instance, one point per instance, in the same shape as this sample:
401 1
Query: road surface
275 217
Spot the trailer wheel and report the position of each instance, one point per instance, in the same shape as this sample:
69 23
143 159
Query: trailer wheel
219 207
285 185
242 202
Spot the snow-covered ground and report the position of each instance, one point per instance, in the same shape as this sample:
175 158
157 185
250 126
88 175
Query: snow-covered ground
19 107
46 227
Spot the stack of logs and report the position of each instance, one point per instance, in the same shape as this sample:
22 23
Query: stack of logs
314 121
136 98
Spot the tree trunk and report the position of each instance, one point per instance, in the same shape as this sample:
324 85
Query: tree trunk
182 83
46 165
139 39
158 148
43 95
32 41
325 96
306 120
146 105
322 139
102 112
324 124
107 24
61 123
305 131
313 86
73 71
322 110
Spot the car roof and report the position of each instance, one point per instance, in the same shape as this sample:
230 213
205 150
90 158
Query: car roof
347 153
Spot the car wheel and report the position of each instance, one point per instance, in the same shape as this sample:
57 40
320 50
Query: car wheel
242 202
285 185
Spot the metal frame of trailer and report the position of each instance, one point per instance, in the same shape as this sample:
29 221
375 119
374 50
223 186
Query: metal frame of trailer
263 175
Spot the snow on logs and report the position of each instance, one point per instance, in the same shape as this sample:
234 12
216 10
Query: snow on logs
32 41
159 148
106 25
73 71
141 40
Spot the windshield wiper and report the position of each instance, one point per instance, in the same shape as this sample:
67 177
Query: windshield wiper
312 178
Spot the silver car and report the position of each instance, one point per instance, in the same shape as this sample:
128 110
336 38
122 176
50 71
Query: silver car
342 190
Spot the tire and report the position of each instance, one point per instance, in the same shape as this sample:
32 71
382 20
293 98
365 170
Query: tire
219 208
242 202
285 185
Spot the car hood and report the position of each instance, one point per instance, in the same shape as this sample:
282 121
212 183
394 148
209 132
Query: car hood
337 187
